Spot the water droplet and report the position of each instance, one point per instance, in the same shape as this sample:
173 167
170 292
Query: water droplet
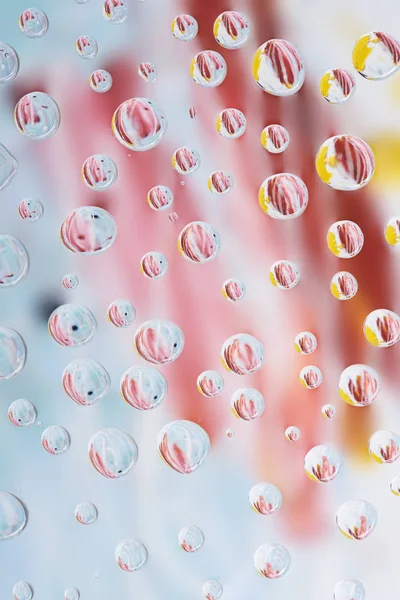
349 589
375 55
328 411
356 519
191 538
220 182
14 263
231 123
101 81
395 485
359 385
72 325
70 281
138 124
185 160
71 593
382 328
210 384
231 29
275 139
247 404
147 71
22 591
160 197
233 290
37 116
85 381
345 162
121 313
143 388
12 353
292 433
13 517
284 275
86 513
183 445
86 47
322 463
337 86
272 560
208 68
99 172
30 209
278 68
305 342
33 23
130 555
88 230
113 453
384 446
242 354
199 242
115 11
173 217
212 590
159 342
283 196
154 265
55 439
22 413
265 498
9 63
310 377
185 28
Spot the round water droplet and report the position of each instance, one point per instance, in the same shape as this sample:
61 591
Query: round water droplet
160 197
191 538
356 519
9 63
220 182
284 275
184 28
100 81
265 498
275 139
199 242
344 285
192 112
85 381
349 589
359 385
183 445
115 11
86 513
88 230
208 68
247 404
311 377
154 265
22 591
70 281
33 23
242 354
185 160
392 231
138 124
13 517
322 463
328 411
376 55
86 47
130 555
345 239
159 342
30 209
113 453
382 328
71 593
72 325
173 217
231 29
230 433
337 86
384 446
212 590
292 433
55 439
305 342
99 172
345 162
231 123
143 388
283 196
37 116
395 485
121 313
22 413
147 71
12 353
14 261
272 560
210 384
278 68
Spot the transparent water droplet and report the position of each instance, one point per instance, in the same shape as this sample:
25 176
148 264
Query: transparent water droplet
13 517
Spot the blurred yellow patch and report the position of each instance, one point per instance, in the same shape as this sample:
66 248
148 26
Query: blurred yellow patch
387 155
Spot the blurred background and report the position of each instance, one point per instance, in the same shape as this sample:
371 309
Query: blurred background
153 502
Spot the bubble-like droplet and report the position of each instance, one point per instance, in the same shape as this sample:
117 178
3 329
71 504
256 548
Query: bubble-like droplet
22 413
173 217
121 313
337 86
233 290
192 112
14 261
138 124
37 116
230 433
344 285
359 385
55 439
199 242
376 55
185 160
395 485
231 29
183 446
88 230
210 384
12 353
384 446
70 281
305 342
272 560
30 209
72 325
278 68
86 47
33 23
382 328
220 182
247 404
345 162
22 591
345 239
113 453
143 388
8 163
212 590
231 123
86 513
159 341
185 28
99 172
154 265
208 68
284 275
242 354
275 139
160 197
101 81
322 463
356 519
9 63
349 589
292 433
265 498
147 71
85 381
328 411
13 517
115 11
283 196
191 538
71 593
310 377
392 231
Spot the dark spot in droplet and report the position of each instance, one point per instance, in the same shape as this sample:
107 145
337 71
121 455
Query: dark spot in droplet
120 471
90 393
81 237
155 397
175 345
75 328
